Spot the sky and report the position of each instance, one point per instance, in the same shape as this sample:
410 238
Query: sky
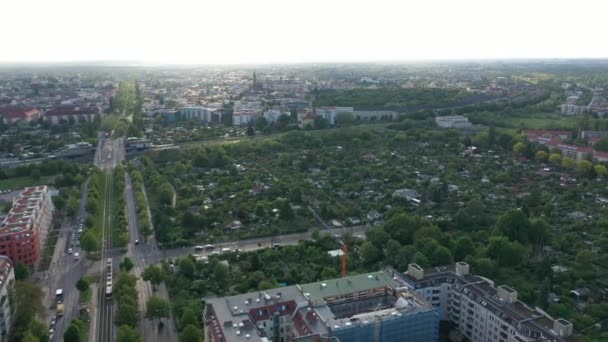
299 31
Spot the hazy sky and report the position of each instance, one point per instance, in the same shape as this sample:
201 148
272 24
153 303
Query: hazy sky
289 31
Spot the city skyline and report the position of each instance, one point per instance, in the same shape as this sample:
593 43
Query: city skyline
237 32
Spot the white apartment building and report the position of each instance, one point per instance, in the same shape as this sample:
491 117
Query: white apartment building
201 114
453 121
7 281
481 311
242 118
330 113
272 115
570 109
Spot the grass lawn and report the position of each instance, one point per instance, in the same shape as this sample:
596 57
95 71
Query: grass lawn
85 297
22 182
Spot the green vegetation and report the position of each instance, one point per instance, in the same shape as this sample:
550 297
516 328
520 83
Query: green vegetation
90 240
28 306
389 97
124 292
126 109
120 228
77 331
141 204
493 208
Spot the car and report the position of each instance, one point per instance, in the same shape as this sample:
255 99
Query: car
137 241
70 251
52 322
51 332
76 256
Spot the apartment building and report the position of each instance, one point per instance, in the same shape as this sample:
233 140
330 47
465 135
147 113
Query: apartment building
371 307
201 114
65 114
24 230
243 118
330 113
452 121
7 281
571 109
480 310
273 115
13 114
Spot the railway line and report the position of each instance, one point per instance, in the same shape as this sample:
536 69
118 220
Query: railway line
105 316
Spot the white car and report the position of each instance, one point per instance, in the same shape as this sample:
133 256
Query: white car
76 256
70 251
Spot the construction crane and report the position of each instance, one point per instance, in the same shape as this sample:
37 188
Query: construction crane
344 257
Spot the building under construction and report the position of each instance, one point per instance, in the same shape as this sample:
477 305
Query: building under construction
366 307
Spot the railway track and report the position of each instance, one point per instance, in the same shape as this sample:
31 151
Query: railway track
106 310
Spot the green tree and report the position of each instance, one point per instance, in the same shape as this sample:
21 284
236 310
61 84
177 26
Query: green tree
285 211
157 308
82 285
88 241
585 165
21 271
441 256
555 158
519 147
220 273
35 174
188 317
600 170
127 334
187 267
126 264
541 155
127 314
463 247
602 145
73 333
514 224
369 252
568 162
261 123
153 274
191 334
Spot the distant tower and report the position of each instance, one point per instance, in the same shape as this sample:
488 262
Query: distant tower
255 82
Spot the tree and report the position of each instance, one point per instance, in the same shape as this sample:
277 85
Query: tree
261 123
539 232
321 122
73 333
82 285
514 224
541 155
441 256
519 147
463 247
21 271
585 165
220 273
127 314
250 130
126 264
35 174
153 274
602 145
568 162
88 241
186 267
369 252
285 211
157 307
555 158
127 334
188 317
191 334
600 170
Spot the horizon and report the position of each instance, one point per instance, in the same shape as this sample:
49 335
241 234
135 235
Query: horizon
238 32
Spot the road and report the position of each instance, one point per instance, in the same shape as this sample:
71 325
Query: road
257 243
144 254
64 272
